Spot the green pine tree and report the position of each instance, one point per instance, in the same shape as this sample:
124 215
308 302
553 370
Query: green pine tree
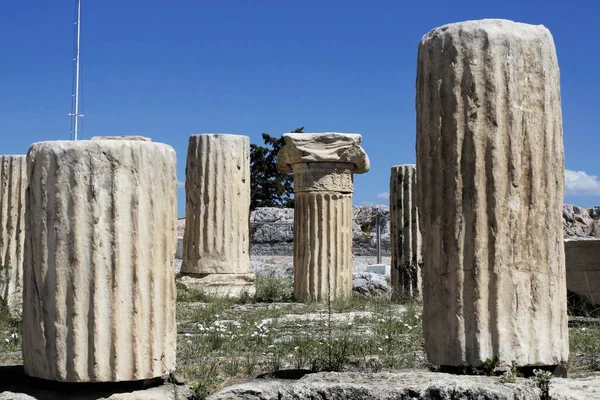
268 186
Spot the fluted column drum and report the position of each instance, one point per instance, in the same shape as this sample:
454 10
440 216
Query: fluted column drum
323 259
13 185
323 166
217 186
490 173
405 234
99 289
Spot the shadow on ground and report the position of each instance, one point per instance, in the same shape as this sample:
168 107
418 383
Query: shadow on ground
21 386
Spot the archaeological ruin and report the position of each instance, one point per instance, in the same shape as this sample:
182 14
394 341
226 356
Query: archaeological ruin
490 179
216 240
405 235
13 184
323 165
99 288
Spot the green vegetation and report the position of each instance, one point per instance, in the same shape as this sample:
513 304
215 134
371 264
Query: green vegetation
10 336
221 341
268 186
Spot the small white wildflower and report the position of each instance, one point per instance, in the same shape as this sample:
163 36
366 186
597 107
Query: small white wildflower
271 346
380 349
7 340
188 341
387 337
583 329
187 334
296 348
14 335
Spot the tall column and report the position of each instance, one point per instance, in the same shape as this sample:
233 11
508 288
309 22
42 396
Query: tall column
405 234
13 184
99 288
216 249
490 168
323 165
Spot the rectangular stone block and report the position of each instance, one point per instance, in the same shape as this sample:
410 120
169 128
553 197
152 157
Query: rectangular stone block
380 269
582 260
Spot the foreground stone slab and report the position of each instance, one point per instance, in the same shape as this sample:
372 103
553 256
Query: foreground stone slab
323 165
582 259
490 167
413 385
217 182
13 184
405 235
99 288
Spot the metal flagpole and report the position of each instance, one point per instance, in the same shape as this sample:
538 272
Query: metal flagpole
75 112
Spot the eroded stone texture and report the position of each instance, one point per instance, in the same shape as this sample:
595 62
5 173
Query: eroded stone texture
490 167
134 137
99 290
323 165
13 184
217 232
407 384
405 234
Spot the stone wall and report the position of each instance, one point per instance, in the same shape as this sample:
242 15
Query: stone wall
582 259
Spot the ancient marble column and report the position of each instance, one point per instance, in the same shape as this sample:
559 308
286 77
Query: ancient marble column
405 234
490 168
13 184
99 288
216 248
323 165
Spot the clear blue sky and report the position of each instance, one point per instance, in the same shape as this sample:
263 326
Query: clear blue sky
168 69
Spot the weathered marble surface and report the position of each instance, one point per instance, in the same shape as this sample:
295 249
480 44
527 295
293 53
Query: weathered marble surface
217 232
99 290
490 167
405 234
13 185
414 385
323 165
